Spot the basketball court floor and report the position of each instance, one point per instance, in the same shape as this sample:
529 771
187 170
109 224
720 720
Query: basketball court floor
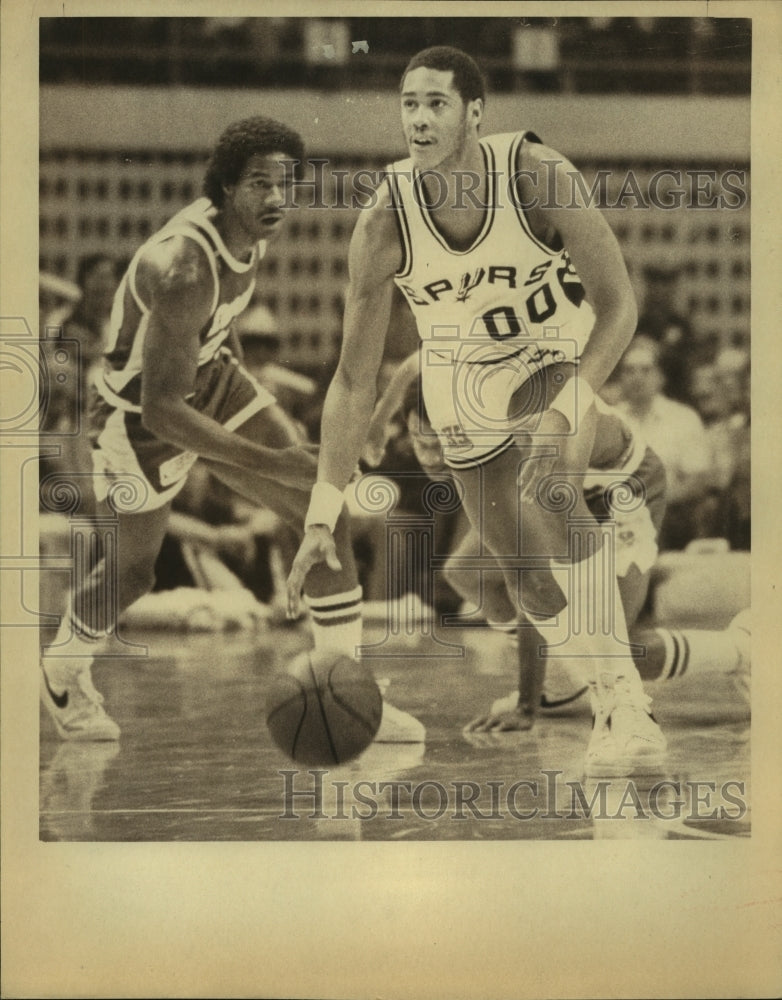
195 761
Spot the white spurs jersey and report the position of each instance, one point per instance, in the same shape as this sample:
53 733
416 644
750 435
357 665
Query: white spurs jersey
508 294
119 383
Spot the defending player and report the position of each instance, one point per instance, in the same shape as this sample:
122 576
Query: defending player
172 391
625 483
620 466
524 307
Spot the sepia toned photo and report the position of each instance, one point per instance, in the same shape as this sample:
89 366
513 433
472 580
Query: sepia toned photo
382 451
410 293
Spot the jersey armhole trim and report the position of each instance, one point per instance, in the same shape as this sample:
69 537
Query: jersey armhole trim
402 224
514 168
131 284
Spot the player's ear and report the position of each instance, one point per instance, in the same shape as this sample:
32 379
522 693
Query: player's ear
475 111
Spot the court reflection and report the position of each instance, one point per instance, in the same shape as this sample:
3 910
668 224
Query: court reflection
195 761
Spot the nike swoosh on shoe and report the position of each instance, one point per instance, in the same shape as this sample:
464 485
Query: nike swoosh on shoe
60 700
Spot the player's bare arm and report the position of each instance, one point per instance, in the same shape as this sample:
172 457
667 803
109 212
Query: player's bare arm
594 252
176 281
373 259
569 218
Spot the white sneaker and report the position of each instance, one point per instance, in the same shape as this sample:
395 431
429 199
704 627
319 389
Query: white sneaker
740 630
625 736
397 726
77 710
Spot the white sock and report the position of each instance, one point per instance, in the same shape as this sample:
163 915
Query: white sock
336 622
590 633
72 650
692 651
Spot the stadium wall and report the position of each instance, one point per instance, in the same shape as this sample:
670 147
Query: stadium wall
110 175
182 119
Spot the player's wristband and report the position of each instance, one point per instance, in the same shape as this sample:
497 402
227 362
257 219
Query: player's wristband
325 506
574 401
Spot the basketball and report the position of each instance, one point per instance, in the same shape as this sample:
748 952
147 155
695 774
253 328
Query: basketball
324 709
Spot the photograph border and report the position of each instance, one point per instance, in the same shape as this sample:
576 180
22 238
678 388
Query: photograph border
418 920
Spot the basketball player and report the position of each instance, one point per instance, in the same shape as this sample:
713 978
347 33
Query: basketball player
171 392
625 483
524 307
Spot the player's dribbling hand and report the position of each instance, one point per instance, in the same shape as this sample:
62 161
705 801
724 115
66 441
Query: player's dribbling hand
317 546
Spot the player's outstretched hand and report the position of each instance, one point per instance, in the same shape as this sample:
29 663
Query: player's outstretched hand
317 546
504 716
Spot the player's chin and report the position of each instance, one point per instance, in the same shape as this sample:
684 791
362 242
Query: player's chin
424 154
271 224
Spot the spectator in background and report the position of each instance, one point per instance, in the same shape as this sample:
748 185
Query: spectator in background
720 393
260 345
89 319
675 431
88 323
735 515
56 297
716 398
82 318
661 321
59 382
733 369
